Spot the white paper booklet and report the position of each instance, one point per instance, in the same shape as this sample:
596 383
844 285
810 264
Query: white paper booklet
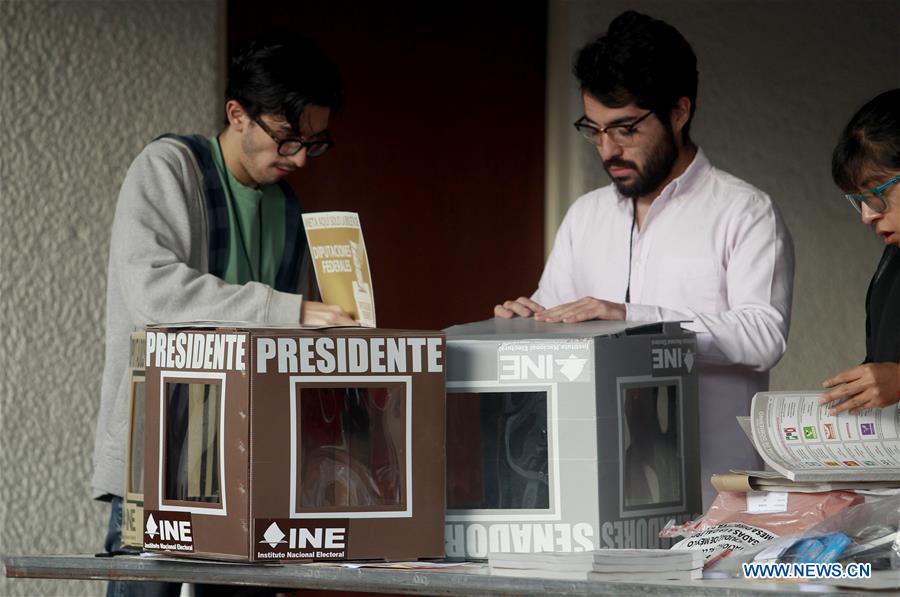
796 437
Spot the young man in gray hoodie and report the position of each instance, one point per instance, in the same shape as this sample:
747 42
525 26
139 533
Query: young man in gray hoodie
207 229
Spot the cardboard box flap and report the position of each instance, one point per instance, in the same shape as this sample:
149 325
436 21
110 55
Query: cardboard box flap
520 328
275 329
245 325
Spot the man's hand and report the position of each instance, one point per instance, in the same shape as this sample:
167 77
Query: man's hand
523 307
582 310
316 313
866 386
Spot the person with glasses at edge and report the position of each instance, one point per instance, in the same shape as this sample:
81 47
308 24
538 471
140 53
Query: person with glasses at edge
208 229
866 165
673 238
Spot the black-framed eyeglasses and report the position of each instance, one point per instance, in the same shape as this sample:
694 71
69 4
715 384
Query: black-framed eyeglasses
292 145
624 135
873 198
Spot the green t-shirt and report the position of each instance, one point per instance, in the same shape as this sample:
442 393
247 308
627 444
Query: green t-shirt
255 227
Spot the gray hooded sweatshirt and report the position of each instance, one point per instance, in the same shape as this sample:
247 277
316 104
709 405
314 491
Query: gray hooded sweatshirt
159 272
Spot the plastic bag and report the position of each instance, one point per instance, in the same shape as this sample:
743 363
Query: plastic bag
871 530
737 521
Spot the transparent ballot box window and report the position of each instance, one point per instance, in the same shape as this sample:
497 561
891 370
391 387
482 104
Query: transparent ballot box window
497 451
652 460
192 442
136 451
352 447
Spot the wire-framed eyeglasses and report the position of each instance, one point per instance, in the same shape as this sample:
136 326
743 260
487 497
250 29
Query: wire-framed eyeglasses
623 135
872 198
292 145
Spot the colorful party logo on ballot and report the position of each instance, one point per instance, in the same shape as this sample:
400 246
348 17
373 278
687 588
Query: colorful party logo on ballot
829 431
867 428
790 434
809 432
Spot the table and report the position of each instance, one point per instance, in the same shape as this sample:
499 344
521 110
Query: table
474 579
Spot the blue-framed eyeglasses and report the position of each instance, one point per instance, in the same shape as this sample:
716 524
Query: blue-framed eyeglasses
873 198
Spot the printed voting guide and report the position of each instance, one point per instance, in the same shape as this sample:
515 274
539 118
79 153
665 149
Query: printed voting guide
797 437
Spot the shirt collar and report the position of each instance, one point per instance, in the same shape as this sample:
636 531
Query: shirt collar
692 175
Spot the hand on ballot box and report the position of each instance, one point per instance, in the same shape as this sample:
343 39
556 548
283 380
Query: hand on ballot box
316 313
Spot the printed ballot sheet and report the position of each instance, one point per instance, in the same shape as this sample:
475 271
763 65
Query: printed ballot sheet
797 437
341 262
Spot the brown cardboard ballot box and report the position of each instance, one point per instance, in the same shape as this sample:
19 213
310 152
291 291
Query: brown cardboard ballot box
133 500
294 444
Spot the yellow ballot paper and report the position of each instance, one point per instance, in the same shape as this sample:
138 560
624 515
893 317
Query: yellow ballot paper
341 263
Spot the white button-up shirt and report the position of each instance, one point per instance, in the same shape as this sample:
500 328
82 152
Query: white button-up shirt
712 249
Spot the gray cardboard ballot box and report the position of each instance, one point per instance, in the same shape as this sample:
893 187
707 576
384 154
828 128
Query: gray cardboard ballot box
569 437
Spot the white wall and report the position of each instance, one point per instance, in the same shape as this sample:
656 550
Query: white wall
84 85
778 81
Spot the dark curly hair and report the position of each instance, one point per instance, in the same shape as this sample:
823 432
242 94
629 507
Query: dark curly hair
282 74
642 60
870 143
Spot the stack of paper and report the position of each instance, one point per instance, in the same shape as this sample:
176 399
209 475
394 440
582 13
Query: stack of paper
603 564
545 564
648 564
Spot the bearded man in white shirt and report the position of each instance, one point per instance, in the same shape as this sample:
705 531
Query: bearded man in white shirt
673 238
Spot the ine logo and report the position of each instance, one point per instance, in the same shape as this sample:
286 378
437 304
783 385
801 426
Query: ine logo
672 357
168 531
571 367
539 367
320 538
273 536
286 539
152 527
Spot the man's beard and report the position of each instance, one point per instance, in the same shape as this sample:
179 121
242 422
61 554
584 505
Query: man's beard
656 169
